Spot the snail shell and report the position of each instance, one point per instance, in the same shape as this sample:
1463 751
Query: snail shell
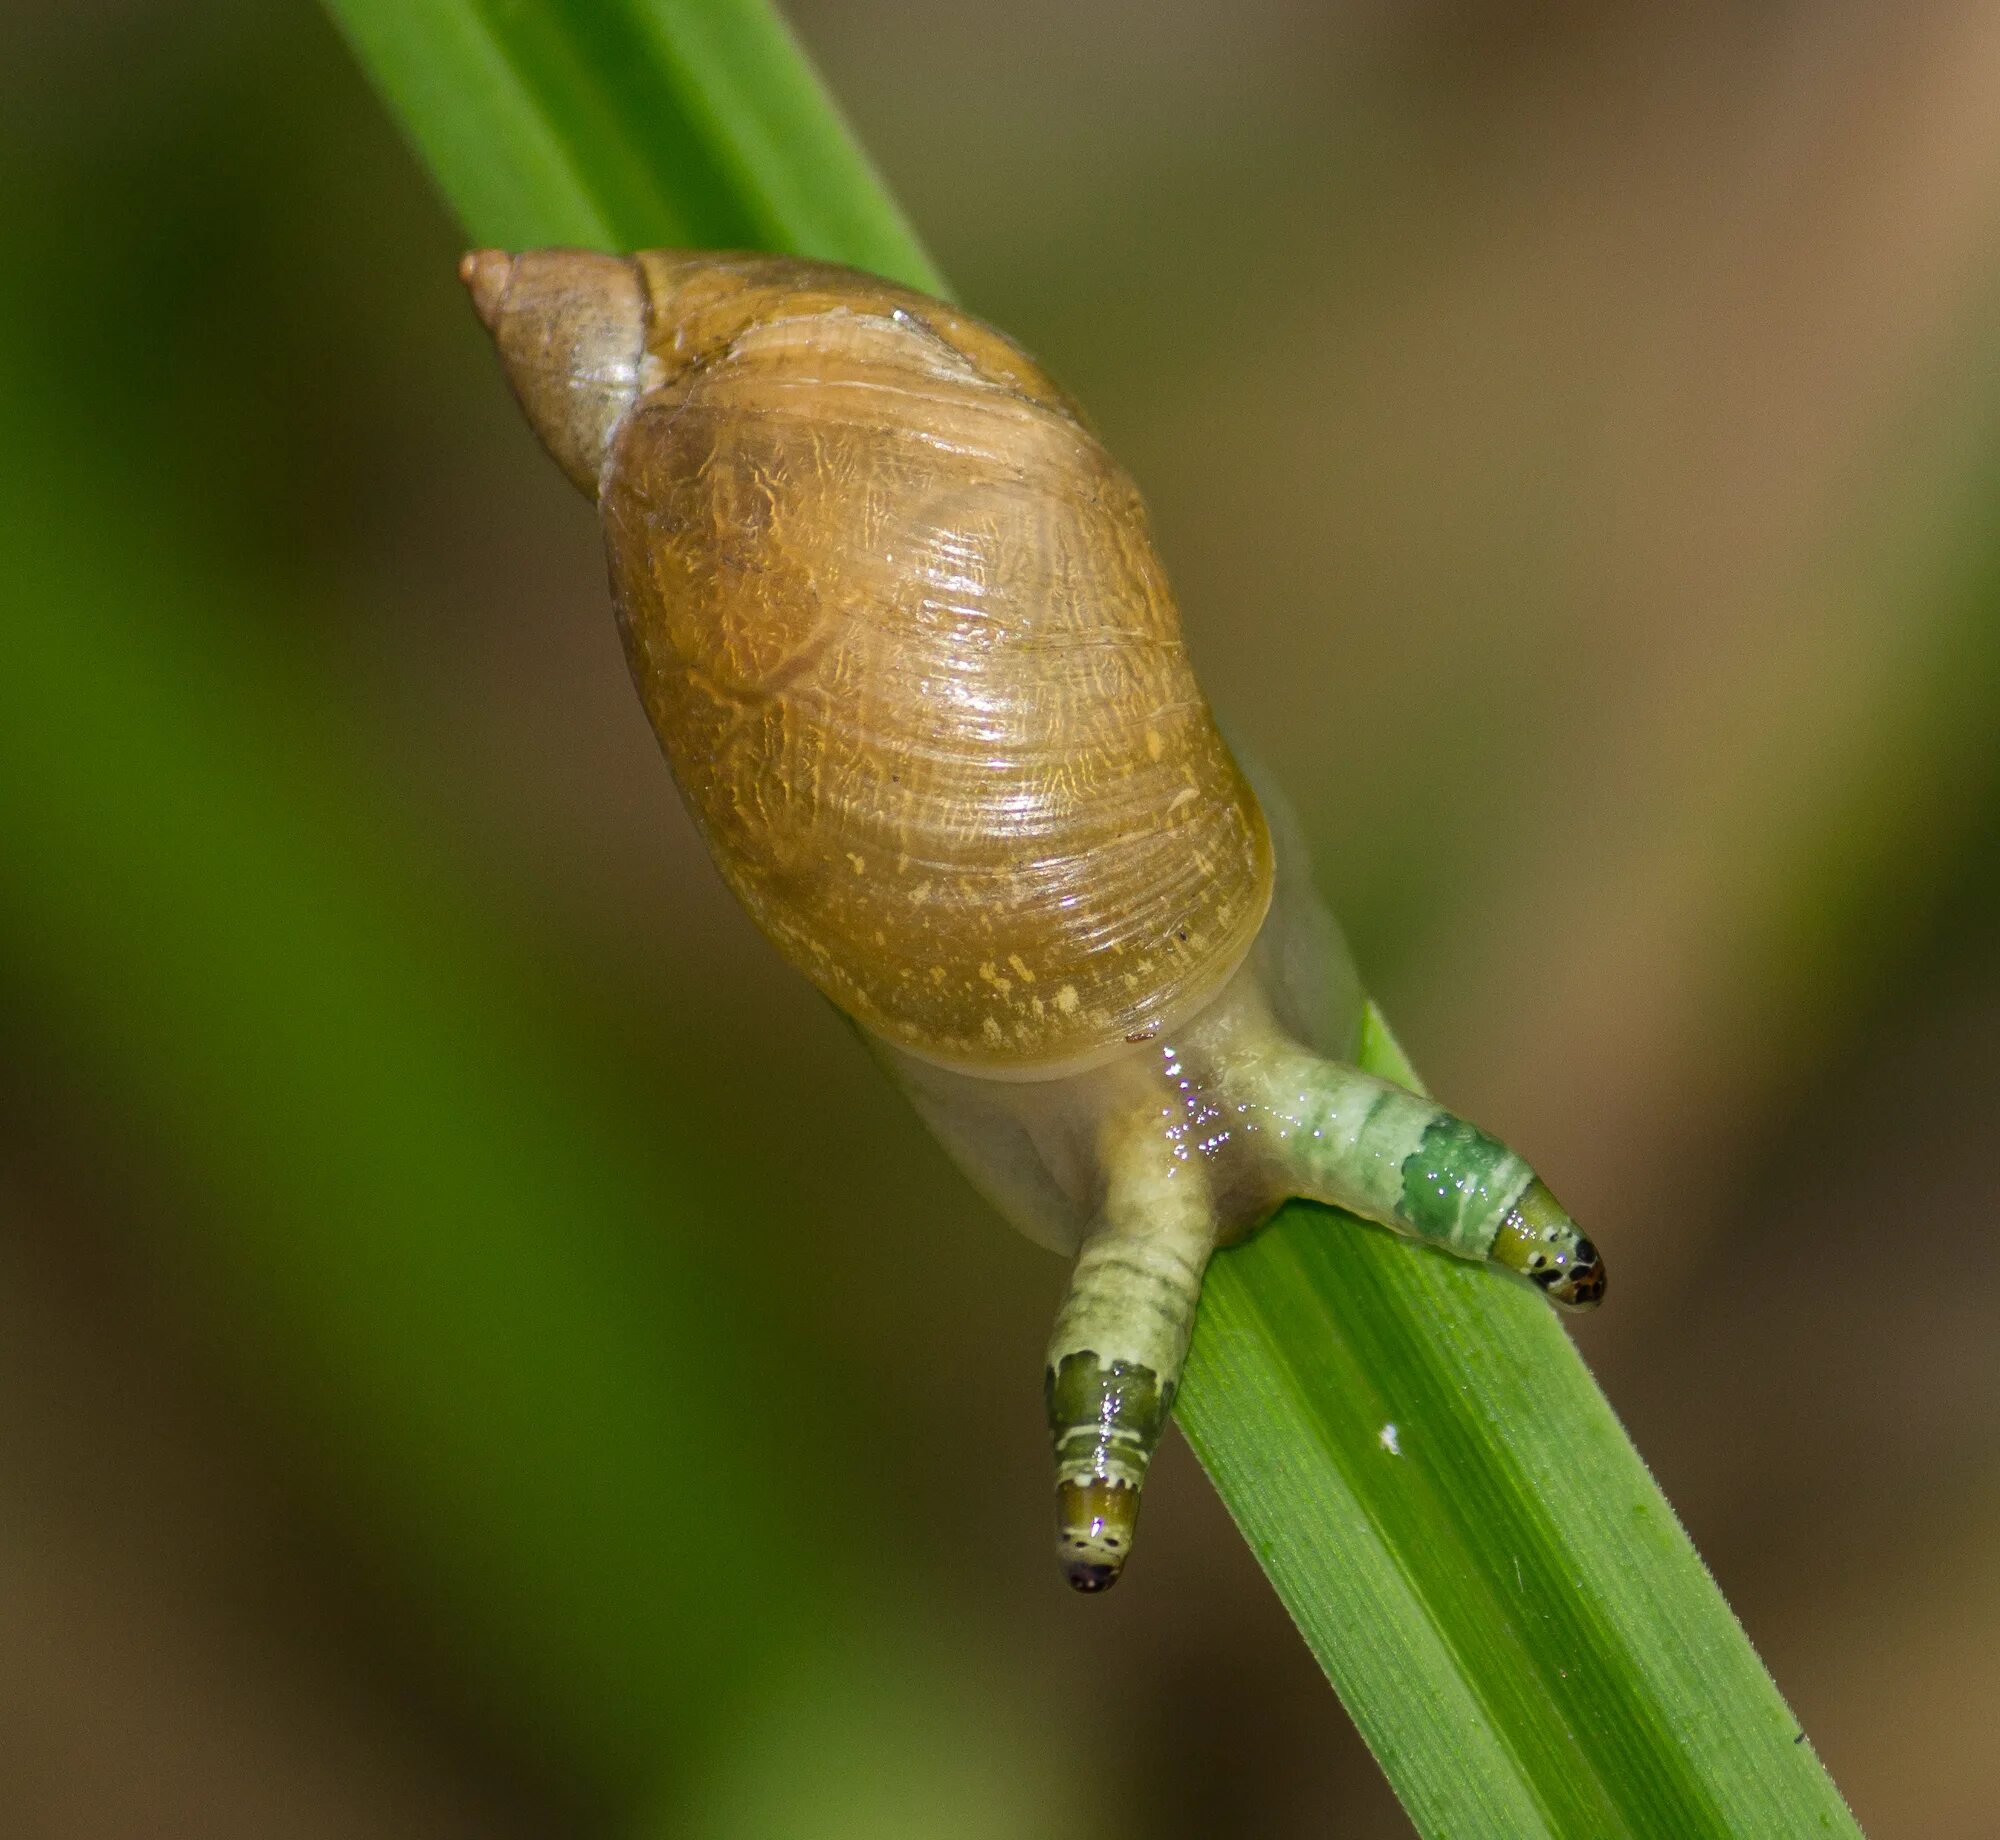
897 620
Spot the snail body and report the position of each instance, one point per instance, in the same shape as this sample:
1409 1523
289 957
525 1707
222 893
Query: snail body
898 622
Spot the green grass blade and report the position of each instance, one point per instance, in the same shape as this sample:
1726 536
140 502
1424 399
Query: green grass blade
618 125
1504 1600
1498 1589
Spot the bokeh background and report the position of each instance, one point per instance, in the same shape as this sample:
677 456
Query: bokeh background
481 1351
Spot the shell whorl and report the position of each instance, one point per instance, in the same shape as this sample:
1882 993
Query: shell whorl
897 620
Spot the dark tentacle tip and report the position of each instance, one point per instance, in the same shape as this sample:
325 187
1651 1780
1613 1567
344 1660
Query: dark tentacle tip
1579 1285
1089 1578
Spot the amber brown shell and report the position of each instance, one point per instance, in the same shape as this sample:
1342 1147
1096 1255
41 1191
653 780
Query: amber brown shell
897 619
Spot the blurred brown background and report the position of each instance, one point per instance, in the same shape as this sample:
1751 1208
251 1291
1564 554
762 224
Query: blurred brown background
1572 429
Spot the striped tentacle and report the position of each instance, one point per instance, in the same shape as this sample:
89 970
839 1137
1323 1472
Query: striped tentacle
1343 1137
1120 1338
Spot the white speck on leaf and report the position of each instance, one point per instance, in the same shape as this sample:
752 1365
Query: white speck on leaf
1389 1441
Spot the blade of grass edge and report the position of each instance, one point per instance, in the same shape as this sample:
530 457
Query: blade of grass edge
1505 1601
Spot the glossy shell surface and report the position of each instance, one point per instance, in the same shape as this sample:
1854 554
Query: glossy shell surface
898 622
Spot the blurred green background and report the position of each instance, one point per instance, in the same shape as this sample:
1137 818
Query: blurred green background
482 1350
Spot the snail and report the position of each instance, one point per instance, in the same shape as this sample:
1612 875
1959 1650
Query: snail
898 622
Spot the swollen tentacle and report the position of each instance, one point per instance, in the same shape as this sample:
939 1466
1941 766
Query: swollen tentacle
1120 1338
1344 1137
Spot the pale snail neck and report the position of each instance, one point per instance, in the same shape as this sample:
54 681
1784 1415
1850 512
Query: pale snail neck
1040 1146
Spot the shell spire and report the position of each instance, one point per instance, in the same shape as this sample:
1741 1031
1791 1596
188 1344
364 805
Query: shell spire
570 326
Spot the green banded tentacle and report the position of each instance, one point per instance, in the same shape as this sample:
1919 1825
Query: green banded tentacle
1120 1338
1390 1155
